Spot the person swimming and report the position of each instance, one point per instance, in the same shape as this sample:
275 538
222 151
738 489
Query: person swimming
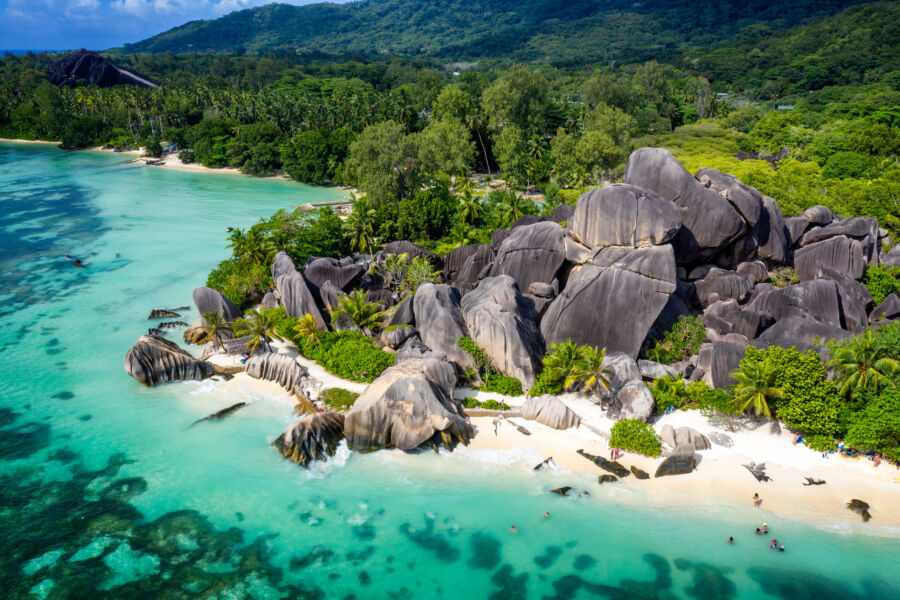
781 548
758 532
547 515
514 529
731 540
765 528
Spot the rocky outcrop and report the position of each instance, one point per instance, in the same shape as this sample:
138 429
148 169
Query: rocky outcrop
84 67
675 437
633 401
818 215
562 213
410 405
270 300
550 411
283 370
393 337
403 313
710 222
440 322
413 251
466 265
209 300
613 303
531 253
295 294
343 274
330 295
502 322
154 360
680 462
719 284
746 200
770 233
314 437
838 253
756 268
888 309
163 313
651 370
892 258
717 360
620 369
624 215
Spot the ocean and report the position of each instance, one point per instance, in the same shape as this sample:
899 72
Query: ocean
107 492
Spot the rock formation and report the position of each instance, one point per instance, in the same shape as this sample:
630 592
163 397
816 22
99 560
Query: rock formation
531 253
675 437
549 411
84 67
295 294
440 322
314 437
410 405
154 360
624 215
680 462
283 370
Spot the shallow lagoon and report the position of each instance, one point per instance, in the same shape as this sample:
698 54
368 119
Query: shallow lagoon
104 491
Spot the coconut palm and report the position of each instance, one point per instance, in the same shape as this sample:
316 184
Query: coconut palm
755 387
561 361
260 327
215 325
366 315
589 371
470 208
513 208
307 329
360 225
862 364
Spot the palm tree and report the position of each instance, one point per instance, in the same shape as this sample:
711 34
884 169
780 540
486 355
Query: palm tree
560 362
260 327
755 387
215 325
589 370
862 365
419 271
471 209
236 242
367 315
308 329
360 225
513 208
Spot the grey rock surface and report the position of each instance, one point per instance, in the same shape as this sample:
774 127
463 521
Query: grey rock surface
394 338
718 360
746 200
771 233
314 437
503 323
154 360
342 276
209 300
439 321
651 370
756 268
633 401
888 309
283 370
549 411
680 462
624 215
839 253
818 215
720 284
295 295
531 253
410 405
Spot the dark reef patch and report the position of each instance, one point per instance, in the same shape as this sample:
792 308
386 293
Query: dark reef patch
485 551
509 586
709 581
64 395
584 561
549 557
428 539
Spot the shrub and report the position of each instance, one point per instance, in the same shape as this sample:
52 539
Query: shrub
820 443
186 156
494 405
338 398
470 402
241 283
682 340
502 384
783 276
882 280
284 324
347 354
546 383
877 426
635 436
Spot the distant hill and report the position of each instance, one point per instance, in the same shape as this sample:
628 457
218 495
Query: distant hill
562 33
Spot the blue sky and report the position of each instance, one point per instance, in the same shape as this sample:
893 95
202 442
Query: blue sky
101 24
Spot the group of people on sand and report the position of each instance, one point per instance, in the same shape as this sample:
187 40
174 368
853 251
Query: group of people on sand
764 530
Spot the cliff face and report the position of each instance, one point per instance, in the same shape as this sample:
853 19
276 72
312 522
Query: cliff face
84 65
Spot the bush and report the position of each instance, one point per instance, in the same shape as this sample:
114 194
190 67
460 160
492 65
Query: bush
347 354
284 324
820 443
186 156
338 398
547 384
494 405
635 436
501 384
683 339
470 403
877 426
881 281
243 284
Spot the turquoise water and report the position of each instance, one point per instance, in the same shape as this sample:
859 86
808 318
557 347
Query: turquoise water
106 493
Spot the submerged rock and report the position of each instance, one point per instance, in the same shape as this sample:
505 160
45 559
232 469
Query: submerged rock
607 479
613 467
550 411
410 405
154 360
314 437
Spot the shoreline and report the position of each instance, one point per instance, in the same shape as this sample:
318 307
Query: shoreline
720 479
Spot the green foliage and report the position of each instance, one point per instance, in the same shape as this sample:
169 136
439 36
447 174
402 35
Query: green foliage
347 354
492 404
669 393
783 276
682 340
547 383
877 426
239 282
470 403
882 280
863 363
338 398
368 316
428 215
492 381
821 443
559 363
635 436
260 327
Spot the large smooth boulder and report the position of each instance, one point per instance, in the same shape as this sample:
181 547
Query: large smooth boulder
314 437
839 253
503 323
620 369
330 296
562 213
756 268
209 300
771 233
410 405
550 411
283 370
727 316
296 296
800 331
531 253
440 322
855 300
403 313
888 309
341 274
675 437
709 221
724 285
680 462
746 200
794 228
818 215
466 265
633 401
613 302
84 67
154 359
717 360
892 258
651 370
624 215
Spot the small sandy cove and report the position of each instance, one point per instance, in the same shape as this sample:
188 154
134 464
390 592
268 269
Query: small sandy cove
720 477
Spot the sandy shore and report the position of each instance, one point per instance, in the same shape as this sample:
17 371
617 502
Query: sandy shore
17 141
720 477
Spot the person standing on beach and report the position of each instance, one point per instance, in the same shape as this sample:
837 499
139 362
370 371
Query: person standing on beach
756 500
